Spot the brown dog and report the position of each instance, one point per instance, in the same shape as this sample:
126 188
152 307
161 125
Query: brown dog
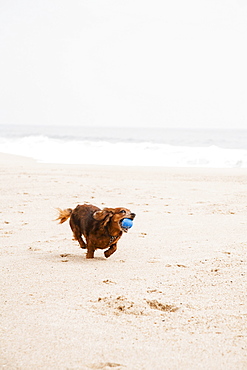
101 228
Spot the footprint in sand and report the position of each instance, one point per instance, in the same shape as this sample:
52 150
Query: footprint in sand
105 365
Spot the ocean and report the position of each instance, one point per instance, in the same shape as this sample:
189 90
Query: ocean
125 146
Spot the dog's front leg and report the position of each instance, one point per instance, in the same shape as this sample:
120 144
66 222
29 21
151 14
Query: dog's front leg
111 250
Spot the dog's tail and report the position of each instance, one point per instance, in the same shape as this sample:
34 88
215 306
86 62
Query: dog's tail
63 215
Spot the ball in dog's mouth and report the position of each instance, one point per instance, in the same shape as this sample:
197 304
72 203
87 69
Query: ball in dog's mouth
126 224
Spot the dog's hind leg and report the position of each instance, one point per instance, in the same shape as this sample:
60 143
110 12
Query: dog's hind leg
83 245
90 250
77 236
111 250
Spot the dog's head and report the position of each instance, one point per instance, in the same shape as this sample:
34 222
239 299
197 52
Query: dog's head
114 216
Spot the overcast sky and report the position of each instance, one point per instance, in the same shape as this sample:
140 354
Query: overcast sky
167 63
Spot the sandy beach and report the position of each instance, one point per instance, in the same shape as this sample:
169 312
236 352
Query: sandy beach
173 296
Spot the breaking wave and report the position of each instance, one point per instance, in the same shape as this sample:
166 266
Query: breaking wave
102 152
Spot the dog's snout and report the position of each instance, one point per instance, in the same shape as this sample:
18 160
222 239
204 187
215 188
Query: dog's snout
132 215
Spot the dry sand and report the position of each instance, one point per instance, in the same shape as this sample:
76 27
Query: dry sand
173 296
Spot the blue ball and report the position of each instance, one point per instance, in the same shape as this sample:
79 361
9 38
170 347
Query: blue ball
127 223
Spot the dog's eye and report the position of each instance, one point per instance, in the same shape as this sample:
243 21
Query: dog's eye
123 212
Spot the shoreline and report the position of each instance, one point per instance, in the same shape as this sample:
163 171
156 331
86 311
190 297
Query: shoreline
173 294
12 159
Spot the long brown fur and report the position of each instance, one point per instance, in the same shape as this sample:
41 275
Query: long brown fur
63 215
101 229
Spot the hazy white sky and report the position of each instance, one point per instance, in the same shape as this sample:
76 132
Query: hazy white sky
166 63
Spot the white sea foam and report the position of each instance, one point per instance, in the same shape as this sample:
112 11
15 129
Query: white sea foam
52 150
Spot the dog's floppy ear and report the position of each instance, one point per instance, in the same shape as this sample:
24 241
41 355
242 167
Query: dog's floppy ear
105 215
